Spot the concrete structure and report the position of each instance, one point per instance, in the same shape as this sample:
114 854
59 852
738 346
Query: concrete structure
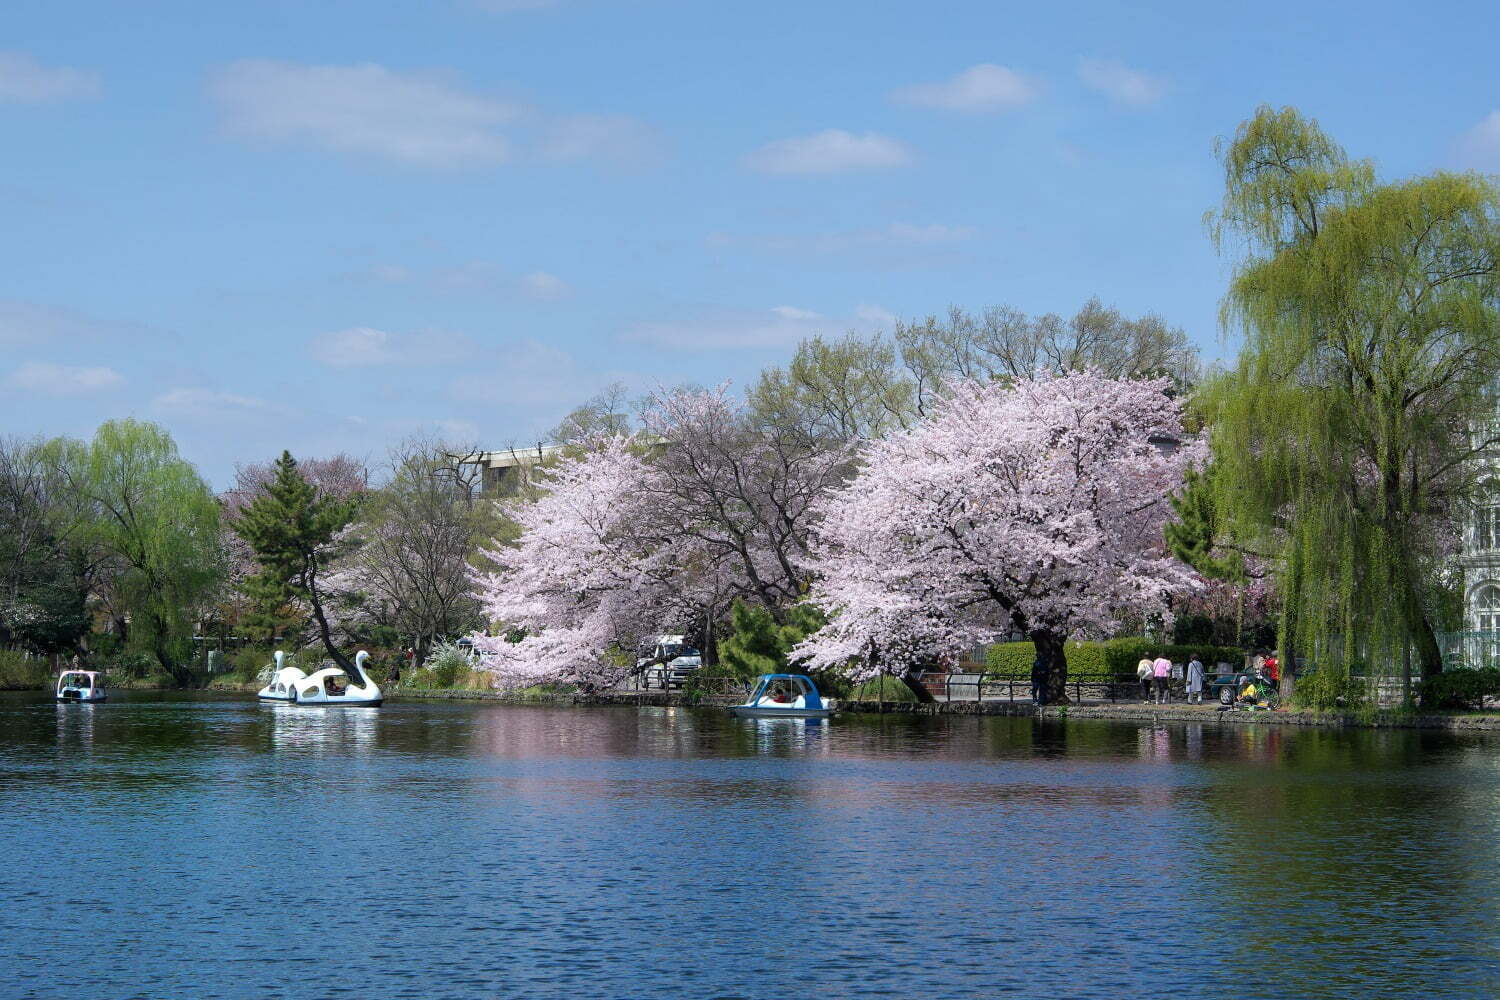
504 472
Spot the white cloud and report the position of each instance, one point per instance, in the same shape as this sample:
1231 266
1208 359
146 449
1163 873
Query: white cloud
1480 145
416 119
1120 83
617 140
62 380
188 402
366 347
363 110
533 374
23 80
749 329
985 87
830 151
541 285
24 322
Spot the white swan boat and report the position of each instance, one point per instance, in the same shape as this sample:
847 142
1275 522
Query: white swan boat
81 685
333 686
791 696
283 682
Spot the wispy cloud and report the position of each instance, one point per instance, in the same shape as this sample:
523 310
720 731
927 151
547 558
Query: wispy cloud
716 329
23 80
541 285
532 374
209 403
367 347
983 88
62 380
1121 84
1480 145
615 140
23 322
363 110
415 119
830 151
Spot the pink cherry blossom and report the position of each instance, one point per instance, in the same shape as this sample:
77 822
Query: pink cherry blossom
1034 506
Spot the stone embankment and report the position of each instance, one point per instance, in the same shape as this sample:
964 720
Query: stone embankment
1118 712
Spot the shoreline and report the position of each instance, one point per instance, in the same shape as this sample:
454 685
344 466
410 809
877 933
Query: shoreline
1119 712
1207 714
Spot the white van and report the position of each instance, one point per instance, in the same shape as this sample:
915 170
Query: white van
665 661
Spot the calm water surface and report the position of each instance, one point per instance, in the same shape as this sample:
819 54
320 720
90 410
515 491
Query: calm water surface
195 847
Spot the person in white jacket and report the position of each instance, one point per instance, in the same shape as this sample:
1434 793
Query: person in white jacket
1144 671
1195 680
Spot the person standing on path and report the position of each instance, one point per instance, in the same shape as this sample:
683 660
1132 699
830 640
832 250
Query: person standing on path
1144 671
1162 670
1039 681
1195 680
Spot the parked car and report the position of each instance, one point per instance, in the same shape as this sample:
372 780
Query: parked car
666 661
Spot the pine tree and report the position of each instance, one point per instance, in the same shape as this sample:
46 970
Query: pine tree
293 530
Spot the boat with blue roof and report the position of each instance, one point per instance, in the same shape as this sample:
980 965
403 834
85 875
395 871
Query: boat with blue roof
790 696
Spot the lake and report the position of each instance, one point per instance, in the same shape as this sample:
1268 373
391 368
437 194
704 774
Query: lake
189 846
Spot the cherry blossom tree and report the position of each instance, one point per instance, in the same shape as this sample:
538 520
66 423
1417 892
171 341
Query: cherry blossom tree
657 533
591 574
1034 506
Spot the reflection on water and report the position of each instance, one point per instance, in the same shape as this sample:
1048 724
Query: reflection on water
479 850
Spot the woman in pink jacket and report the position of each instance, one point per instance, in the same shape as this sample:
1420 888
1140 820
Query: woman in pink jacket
1162 668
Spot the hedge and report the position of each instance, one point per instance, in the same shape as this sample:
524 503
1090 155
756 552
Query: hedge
1112 659
1461 688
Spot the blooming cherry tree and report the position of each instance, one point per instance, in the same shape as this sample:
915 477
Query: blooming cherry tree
659 533
1034 506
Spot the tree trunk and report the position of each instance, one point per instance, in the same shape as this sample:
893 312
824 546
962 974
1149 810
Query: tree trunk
1429 654
918 689
1051 649
325 633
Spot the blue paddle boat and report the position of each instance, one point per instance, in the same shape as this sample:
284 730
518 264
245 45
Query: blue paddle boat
790 696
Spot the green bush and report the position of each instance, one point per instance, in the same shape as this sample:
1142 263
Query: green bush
133 666
883 688
17 673
1461 688
1113 659
1327 690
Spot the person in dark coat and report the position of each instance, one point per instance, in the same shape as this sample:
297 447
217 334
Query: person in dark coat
1039 681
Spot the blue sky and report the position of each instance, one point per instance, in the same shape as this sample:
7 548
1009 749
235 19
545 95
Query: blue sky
326 226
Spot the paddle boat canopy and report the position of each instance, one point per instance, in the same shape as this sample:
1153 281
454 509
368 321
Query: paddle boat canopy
332 686
792 696
81 685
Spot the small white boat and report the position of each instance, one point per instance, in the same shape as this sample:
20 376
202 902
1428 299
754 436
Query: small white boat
333 686
81 685
791 696
283 682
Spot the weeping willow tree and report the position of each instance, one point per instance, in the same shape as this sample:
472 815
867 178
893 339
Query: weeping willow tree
1343 436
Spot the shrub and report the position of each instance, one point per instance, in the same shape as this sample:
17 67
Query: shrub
134 665
19 673
883 688
1461 688
1327 690
1113 659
